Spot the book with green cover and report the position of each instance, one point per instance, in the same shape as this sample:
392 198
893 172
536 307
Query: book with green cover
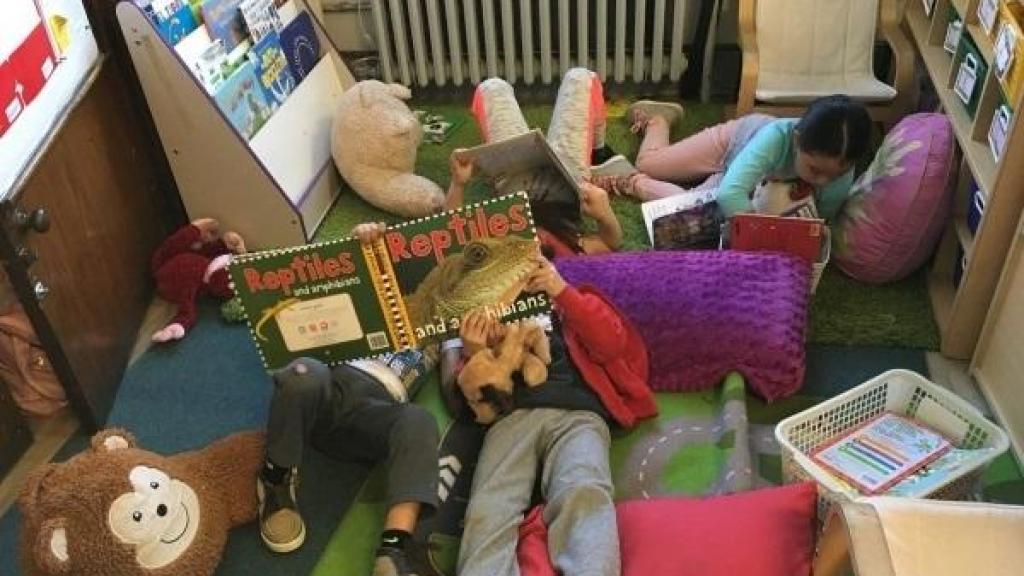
342 300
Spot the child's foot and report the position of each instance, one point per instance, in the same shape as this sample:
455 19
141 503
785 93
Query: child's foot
619 184
170 332
281 526
392 561
617 165
642 111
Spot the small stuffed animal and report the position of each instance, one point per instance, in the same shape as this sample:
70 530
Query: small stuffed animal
190 263
118 510
374 142
486 379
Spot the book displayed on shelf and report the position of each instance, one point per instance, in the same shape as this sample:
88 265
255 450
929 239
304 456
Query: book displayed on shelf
241 100
261 18
272 70
527 162
881 452
999 130
988 13
223 20
300 44
342 300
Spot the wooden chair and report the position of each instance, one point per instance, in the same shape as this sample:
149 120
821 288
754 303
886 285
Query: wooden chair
797 50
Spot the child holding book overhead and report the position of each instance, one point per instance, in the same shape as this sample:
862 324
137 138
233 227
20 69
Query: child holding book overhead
556 436
358 411
821 148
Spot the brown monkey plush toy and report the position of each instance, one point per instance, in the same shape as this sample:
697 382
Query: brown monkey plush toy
118 510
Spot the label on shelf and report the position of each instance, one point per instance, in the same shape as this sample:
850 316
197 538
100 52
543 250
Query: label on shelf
966 78
953 31
1005 48
988 11
998 130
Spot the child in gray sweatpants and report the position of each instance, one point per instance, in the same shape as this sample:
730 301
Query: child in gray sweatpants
557 433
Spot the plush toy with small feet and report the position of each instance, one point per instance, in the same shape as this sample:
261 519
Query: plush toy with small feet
191 263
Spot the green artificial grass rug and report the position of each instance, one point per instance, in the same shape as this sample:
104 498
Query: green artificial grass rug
843 312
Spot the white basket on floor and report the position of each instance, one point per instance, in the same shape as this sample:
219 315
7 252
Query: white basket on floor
902 392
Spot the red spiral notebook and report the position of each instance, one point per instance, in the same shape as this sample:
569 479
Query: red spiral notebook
759 232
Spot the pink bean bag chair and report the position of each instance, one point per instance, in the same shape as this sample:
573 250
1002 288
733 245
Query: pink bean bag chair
898 207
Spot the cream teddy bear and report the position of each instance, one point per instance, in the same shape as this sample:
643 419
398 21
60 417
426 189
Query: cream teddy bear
374 141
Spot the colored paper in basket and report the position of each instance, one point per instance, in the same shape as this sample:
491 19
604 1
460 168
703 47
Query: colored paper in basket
881 452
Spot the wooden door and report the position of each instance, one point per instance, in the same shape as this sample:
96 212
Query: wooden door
98 185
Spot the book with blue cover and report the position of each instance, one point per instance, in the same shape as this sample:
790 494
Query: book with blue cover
241 99
275 77
301 45
174 22
223 20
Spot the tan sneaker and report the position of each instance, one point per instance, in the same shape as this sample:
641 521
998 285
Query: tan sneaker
281 526
641 111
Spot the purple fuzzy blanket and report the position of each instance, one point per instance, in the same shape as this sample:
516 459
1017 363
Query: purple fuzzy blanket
706 313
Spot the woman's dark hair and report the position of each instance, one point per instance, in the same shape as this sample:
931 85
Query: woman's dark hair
835 126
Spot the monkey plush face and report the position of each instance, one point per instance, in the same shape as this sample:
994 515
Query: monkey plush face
159 517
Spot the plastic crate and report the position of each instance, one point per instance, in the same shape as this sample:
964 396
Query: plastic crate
903 392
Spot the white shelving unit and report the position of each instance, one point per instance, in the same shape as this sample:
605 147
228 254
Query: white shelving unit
274 189
960 310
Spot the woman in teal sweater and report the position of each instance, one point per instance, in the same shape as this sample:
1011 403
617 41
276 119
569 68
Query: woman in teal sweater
820 148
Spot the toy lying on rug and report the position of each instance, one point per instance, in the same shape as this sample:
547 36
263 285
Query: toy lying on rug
118 510
486 379
374 142
190 263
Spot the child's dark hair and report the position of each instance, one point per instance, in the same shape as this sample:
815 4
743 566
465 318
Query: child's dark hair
835 126
561 221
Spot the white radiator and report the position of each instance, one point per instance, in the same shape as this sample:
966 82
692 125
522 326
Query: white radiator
529 41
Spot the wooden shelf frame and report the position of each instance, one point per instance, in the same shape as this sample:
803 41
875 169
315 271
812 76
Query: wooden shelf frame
960 311
274 189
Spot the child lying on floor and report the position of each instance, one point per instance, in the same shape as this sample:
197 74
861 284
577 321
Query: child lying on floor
557 432
821 148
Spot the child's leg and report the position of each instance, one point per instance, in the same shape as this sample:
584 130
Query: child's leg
577 120
689 159
300 390
496 111
502 485
579 511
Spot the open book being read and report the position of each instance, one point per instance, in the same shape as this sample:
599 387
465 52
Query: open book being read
343 300
528 163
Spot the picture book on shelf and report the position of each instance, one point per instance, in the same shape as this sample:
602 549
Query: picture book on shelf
341 300
527 162
241 100
223 20
173 19
275 78
261 18
881 452
301 45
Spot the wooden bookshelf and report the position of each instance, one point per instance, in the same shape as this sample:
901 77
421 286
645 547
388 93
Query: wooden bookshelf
274 189
960 310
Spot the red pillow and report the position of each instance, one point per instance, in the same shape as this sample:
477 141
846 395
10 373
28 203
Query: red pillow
767 532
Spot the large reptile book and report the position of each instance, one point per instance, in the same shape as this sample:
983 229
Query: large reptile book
342 300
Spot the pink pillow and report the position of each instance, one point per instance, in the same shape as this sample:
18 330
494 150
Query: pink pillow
898 207
768 532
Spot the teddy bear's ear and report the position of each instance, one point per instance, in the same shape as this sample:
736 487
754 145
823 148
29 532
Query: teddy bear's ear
399 91
111 439
51 547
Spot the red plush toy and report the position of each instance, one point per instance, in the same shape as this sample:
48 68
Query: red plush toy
193 262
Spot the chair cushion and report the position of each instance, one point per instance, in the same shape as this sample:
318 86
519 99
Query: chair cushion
899 206
809 48
779 88
705 313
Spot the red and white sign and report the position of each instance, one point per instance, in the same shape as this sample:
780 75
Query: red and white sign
26 58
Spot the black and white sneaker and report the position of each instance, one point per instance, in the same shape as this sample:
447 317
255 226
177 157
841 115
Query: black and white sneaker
281 526
393 562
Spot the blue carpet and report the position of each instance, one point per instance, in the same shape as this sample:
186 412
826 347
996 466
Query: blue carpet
172 405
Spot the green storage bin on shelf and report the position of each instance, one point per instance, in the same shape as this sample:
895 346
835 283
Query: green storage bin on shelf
968 60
